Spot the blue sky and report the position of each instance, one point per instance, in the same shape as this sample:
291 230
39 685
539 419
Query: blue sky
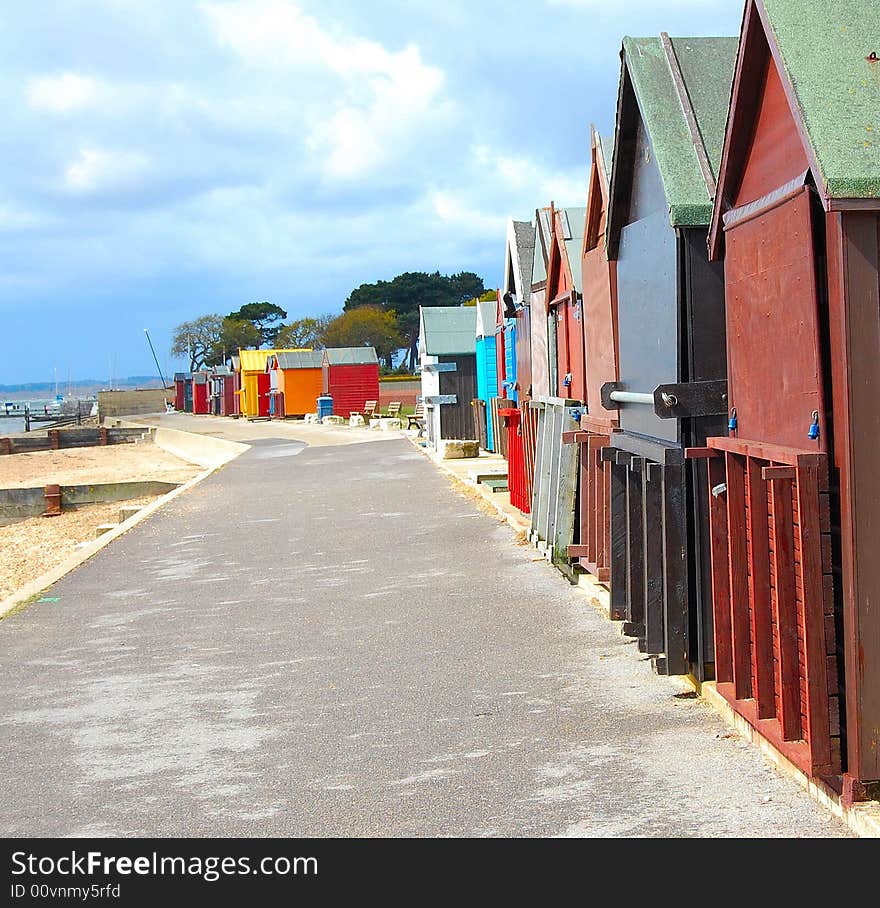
162 159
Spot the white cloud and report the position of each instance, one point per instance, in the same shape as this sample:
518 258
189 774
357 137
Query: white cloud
98 169
364 104
62 94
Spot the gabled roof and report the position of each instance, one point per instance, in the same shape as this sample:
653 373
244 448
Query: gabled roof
518 255
822 52
485 319
182 376
236 363
541 247
222 370
255 360
597 193
350 356
680 87
448 330
569 234
298 359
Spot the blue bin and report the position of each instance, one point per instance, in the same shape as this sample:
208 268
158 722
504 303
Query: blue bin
325 406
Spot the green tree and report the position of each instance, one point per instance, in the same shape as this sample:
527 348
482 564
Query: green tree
196 340
304 332
407 292
234 335
488 297
265 317
366 326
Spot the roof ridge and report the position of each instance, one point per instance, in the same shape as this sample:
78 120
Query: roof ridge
690 115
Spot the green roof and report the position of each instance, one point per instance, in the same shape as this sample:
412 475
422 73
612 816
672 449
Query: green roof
449 330
300 359
706 66
824 47
351 356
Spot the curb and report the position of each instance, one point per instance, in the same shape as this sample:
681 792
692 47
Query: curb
520 524
863 818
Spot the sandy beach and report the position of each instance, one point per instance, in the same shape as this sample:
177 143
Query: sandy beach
31 547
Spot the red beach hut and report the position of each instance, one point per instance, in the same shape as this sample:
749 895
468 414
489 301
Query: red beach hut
794 497
351 378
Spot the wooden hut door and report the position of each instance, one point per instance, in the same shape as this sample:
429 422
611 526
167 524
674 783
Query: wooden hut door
774 358
770 515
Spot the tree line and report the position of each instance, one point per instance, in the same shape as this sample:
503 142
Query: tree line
384 315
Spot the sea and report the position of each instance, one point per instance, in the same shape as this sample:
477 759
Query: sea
12 412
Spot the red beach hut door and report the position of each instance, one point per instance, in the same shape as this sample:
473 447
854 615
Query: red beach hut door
769 503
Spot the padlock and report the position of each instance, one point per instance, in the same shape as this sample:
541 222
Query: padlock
731 423
813 432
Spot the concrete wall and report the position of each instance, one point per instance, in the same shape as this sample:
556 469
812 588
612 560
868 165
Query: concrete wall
204 450
18 504
404 391
132 403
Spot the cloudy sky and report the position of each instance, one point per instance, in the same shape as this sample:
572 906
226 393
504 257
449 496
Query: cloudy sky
162 159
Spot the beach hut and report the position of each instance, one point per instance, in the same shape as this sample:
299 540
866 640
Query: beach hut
255 382
516 297
487 373
234 407
447 353
671 392
183 392
254 390
564 300
295 382
220 390
201 404
794 504
516 387
505 346
592 546
351 378
555 481
539 322
502 374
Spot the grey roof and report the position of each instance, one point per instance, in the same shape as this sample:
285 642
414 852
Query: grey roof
182 376
486 317
606 145
542 231
222 370
351 356
449 330
573 241
300 359
524 231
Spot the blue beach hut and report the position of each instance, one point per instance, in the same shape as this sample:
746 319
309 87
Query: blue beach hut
487 368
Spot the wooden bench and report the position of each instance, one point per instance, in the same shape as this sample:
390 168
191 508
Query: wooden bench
417 420
393 410
369 411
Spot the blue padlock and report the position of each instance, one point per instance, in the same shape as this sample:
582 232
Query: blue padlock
813 432
731 423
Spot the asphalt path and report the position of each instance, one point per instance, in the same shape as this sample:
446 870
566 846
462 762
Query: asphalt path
331 641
